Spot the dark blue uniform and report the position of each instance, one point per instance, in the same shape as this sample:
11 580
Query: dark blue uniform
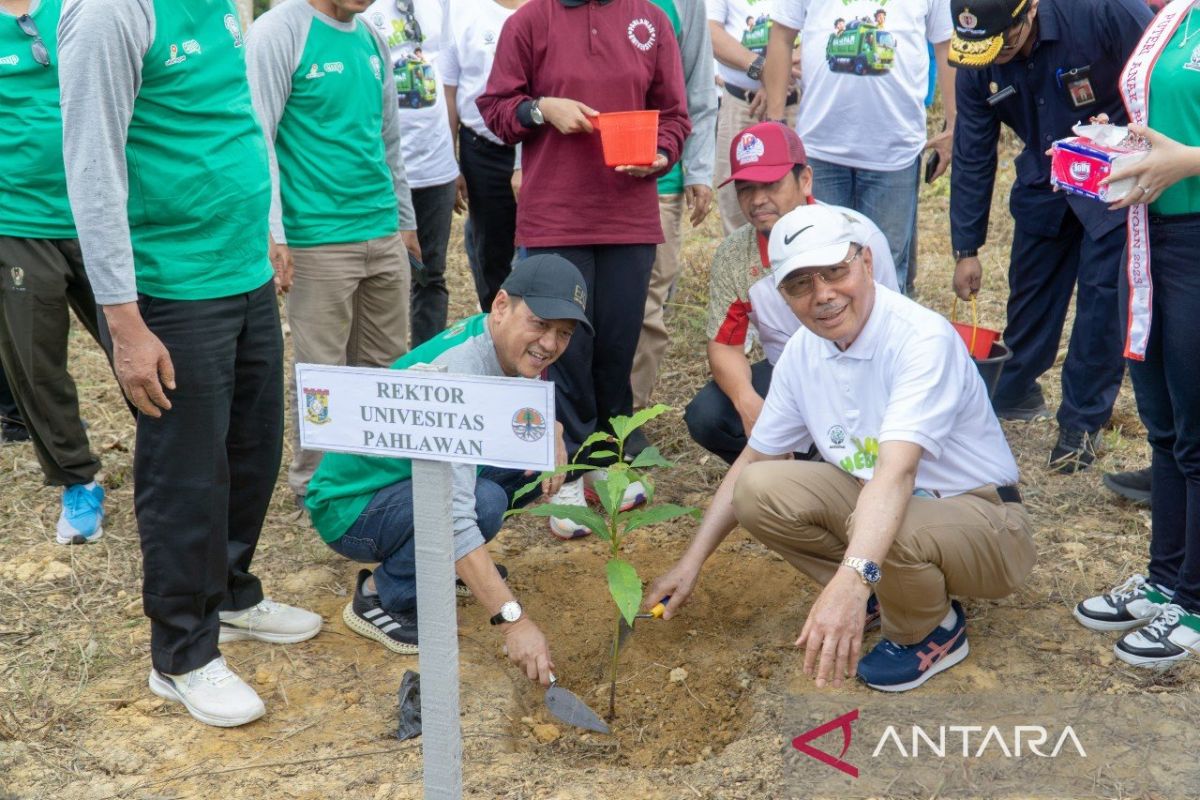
1059 239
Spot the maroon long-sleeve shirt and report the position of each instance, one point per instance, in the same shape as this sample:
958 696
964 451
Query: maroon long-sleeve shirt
619 55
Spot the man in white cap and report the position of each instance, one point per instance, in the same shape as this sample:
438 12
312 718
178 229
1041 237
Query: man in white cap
916 499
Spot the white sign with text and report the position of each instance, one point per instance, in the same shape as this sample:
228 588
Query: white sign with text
401 413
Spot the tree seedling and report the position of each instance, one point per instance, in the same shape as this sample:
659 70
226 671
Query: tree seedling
610 523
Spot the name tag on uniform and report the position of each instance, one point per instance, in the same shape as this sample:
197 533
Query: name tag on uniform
1078 85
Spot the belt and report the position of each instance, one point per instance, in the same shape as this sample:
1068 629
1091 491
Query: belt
744 94
1009 494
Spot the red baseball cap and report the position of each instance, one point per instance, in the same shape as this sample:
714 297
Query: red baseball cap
764 153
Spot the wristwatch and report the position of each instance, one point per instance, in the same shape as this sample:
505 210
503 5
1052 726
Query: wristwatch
754 71
868 571
509 612
959 255
535 113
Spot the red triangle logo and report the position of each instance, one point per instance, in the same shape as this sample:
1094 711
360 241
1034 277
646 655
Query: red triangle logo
843 722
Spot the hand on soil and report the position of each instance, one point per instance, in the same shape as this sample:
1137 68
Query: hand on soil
833 631
678 583
528 649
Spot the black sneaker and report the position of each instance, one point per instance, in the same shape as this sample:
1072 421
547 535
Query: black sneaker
366 616
1031 407
1075 451
1134 486
462 590
13 432
1170 638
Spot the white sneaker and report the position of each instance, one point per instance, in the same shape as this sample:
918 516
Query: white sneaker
211 694
569 494
1119 609
1167 640
635 493
269 622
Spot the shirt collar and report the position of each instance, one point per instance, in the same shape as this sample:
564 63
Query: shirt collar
867 343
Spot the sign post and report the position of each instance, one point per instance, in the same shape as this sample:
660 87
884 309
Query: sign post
435 420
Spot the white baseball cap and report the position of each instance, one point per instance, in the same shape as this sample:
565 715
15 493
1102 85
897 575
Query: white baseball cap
810 236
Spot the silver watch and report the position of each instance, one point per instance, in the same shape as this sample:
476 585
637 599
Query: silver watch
535 113
868 571
509 612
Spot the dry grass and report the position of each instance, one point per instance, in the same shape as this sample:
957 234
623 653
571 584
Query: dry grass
74 644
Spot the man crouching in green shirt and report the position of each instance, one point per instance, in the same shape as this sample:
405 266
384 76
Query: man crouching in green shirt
362 506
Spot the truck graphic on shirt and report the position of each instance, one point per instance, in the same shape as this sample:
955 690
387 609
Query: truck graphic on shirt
415 84
862 48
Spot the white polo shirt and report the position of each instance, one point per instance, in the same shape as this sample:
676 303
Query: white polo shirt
907 377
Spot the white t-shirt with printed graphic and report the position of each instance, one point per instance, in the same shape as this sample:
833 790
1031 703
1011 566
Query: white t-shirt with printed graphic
413 32
472 30
907 377
744 20
864 85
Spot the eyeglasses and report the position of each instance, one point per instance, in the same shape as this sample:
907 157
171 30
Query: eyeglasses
803 285
41 54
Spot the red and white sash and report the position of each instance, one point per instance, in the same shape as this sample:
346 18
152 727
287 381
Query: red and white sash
1135 91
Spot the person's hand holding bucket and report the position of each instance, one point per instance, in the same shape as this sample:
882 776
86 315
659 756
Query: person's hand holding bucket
567 115
630 142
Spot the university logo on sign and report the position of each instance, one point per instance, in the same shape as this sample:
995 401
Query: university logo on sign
316 406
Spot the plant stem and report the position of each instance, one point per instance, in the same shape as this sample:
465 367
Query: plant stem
612 676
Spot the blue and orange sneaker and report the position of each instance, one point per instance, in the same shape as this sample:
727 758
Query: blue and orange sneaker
892 667
82 517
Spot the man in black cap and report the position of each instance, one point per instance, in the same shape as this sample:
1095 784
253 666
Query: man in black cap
362 506
1039 67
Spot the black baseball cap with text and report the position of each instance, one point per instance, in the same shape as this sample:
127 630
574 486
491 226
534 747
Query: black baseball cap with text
552 288
979 27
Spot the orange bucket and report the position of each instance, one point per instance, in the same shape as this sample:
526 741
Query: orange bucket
628 137
979 340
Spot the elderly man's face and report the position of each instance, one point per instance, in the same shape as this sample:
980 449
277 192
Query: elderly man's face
834 301
764 203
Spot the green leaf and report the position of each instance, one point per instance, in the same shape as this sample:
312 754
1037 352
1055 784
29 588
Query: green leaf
537 482
625 588
645 415
612 490
650 457
655 515
648 485
581 514
598 454
598 436
620 426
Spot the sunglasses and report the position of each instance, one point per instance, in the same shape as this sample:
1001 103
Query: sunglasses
803 285
41 54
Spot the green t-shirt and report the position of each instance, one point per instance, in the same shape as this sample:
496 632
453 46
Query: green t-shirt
672 182
334 181
33 183
1175 112
344 483
199 186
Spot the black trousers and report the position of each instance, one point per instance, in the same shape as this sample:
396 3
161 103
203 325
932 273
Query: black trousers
487 168
715 424
1043 274
434 206
41 282
9 413
204 471
1168 398
591 379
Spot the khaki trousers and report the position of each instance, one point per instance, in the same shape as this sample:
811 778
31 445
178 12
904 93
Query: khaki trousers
348 306
972 544
732 118
652 344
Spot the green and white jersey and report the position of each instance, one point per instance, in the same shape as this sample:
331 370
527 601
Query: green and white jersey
326 99
345 483
166 162
33 186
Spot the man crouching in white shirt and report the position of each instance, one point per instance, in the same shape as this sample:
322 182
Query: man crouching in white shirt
917 497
